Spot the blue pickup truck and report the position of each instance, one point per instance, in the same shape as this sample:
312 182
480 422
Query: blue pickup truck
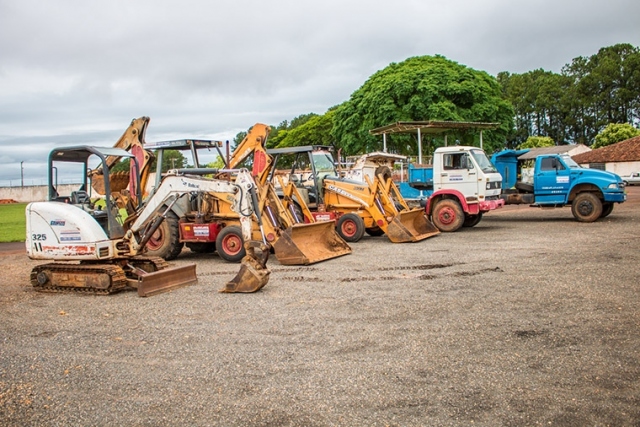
555 180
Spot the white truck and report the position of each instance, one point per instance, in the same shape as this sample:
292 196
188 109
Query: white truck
456 190
632 179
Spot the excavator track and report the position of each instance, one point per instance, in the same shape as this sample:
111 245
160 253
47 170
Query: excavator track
149 263
83 278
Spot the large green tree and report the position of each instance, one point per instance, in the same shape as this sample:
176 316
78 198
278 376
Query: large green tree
538 98
615 132
421 88
537 142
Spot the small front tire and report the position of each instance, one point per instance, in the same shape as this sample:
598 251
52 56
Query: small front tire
350 227
230 244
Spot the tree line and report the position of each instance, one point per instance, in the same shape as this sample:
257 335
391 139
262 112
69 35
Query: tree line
570 107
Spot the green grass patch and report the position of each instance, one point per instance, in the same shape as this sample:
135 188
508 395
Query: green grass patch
13 222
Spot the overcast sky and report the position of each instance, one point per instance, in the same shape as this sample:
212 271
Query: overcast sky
77 72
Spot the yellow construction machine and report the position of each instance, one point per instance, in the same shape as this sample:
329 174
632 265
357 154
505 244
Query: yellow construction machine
294 241
93 252
372 204
206 221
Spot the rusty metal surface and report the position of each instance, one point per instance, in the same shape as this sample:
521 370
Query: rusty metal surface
59 277
304 244
150 284
410 226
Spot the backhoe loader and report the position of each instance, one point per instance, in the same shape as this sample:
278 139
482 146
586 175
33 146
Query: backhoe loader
374 206
206 221
93 252
293 240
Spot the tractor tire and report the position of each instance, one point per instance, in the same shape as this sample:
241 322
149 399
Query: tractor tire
586 207
374 231
165 242
230 244
447 215
607 208
472 220
350 227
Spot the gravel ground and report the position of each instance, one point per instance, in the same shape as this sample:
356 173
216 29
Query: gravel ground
530 318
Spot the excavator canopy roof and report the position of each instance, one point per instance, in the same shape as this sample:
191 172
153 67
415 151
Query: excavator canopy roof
431 127
81 153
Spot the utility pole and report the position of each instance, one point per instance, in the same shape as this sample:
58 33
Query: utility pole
21 174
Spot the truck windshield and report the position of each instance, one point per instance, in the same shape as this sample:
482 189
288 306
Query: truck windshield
323 162
569 162
483 161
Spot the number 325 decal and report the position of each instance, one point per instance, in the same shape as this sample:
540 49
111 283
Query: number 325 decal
38 237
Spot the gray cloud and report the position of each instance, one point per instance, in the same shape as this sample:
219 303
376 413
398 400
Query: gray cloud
78 72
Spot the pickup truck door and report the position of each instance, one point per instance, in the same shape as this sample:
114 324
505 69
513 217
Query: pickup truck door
457 172
552 180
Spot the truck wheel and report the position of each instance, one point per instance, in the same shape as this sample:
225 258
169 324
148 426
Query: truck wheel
447 215
350 227
230 244
374 231
586 207
165 242
472 220
607 208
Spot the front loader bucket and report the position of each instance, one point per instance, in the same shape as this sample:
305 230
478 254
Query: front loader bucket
304 244
149 284
253 274
410 226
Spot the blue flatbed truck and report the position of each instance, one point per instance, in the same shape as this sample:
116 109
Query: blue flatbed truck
555 180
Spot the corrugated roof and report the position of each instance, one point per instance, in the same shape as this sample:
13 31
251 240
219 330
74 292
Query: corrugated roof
432 127
624 151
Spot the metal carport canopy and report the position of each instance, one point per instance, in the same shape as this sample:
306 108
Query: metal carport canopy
430 127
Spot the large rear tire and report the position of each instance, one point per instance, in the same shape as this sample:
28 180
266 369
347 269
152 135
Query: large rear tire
350 227
165 242
586 207
230 244
472 220
447 215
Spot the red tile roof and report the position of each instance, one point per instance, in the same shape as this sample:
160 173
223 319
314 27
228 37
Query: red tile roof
623 151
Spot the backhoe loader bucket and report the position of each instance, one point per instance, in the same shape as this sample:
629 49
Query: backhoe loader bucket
410 226
149 284
253 274
304 244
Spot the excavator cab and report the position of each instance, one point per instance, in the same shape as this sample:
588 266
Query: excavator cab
89 232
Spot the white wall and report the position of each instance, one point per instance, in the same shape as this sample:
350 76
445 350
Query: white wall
36 193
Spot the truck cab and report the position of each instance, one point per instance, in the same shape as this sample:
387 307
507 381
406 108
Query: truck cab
555 180
465 186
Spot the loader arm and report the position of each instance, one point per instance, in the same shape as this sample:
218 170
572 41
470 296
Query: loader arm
254 144
253 274
132 140
174 186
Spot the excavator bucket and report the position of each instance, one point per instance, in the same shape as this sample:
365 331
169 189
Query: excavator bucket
410 226
253 274
304 244
149 284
